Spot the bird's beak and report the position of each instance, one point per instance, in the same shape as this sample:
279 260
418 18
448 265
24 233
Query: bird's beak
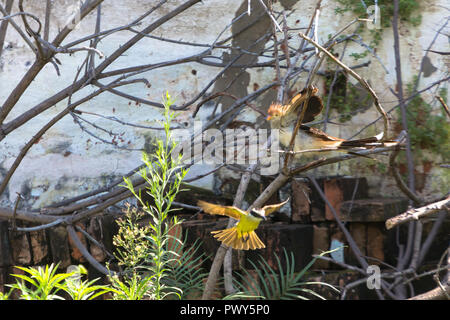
264 217
268 118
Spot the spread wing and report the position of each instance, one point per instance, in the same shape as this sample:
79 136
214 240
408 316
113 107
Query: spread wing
229 211
273 207
315 104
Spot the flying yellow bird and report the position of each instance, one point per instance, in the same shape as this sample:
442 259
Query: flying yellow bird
242 236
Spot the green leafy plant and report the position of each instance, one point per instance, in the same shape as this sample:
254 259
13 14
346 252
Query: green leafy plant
43 283
187 273
79 289
183 270
130 287
130 239
283 284
156 263
346 99
428 130
409 12
5 295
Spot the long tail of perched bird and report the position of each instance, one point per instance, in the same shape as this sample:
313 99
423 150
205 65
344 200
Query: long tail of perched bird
284 118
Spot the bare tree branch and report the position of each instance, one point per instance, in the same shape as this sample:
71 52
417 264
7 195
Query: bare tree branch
4 25
76 241
417 213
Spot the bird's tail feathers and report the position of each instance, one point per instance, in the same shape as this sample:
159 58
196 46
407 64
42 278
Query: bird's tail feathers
232 238
371 142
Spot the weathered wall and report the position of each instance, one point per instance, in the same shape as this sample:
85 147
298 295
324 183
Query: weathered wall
67 161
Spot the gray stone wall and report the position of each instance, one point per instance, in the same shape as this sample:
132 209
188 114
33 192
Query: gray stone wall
68 161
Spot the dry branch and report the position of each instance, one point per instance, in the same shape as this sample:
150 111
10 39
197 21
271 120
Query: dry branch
4 25
444 105
76 241
417 213
435 294
399 95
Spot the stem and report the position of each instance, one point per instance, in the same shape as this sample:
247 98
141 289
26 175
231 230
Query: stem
398 70
4 24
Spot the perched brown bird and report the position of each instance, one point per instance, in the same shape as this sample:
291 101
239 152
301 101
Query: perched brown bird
242 236
284 118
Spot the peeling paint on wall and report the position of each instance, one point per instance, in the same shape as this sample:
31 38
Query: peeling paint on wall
67 161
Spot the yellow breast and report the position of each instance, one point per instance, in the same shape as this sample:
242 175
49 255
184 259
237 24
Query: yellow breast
304 142
248 223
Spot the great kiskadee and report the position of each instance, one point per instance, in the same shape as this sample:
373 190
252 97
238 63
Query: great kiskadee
284 118
242 236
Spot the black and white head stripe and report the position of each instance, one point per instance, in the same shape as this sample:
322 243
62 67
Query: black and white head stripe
257 214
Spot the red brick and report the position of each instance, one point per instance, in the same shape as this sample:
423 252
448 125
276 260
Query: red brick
5 248
375 242
317 215
321 243
337 190
358 231
335 196
95 230
39 246
59 246
20 248
300 202
295 238
372 210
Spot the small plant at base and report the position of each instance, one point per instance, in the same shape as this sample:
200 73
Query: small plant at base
79 289
44 283
281 285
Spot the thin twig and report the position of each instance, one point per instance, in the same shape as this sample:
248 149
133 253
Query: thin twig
48 9
4 25
16 205
42 227
398 71
444 105
270 15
